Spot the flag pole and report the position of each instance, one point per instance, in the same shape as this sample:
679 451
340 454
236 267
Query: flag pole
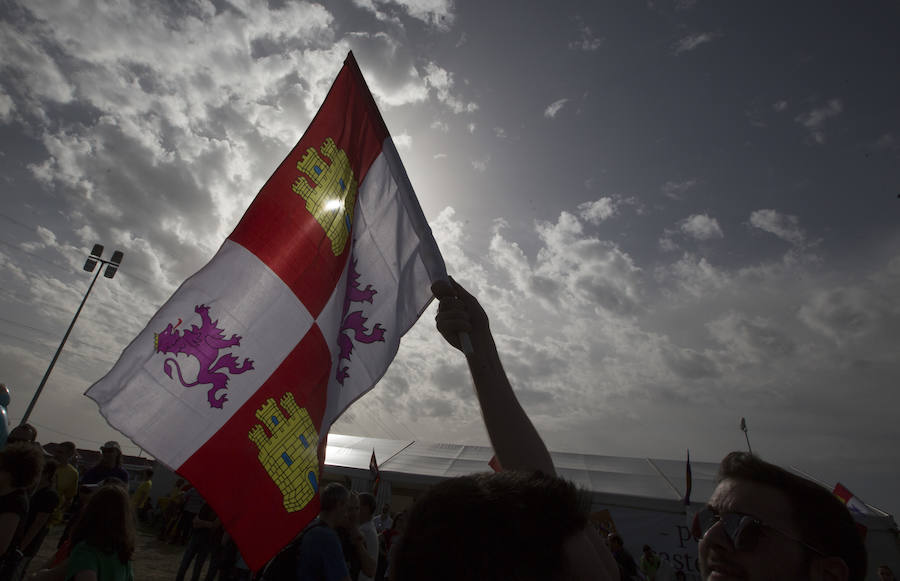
746 435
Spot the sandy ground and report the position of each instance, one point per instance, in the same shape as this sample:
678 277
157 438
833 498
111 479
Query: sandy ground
153 559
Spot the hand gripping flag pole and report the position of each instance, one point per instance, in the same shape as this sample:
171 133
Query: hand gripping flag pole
237 379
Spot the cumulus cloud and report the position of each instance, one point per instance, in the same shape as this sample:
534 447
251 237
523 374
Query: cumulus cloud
701 227
784 226
554 108
598 210
780 106
844 313
696 276
596 273
7 107
403 140
441 82
390 69
692 41
441 126
690 364
751 339
666 243
696 226
437 13
814 119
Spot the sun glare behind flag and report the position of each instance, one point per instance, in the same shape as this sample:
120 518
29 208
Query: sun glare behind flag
235 382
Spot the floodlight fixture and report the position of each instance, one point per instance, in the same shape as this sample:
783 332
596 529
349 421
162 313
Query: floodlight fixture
90 264
97 250
113 265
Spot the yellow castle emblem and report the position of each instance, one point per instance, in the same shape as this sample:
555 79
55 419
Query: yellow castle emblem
289 454
329 188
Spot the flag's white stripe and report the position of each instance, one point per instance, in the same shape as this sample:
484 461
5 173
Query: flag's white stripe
248 300
396 254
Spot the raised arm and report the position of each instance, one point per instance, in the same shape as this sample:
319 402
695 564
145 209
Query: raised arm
514 438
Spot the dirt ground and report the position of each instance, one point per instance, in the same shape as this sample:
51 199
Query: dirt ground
153 560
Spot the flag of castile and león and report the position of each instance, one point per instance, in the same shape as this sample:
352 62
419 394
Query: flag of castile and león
236 380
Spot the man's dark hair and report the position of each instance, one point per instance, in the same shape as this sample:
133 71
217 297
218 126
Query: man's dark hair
24 462
506 525
332 495
822 520
367 500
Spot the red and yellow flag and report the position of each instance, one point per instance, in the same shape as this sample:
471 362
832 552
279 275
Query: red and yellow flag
236 380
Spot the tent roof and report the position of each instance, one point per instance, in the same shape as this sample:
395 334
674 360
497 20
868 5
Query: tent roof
633 481
650 483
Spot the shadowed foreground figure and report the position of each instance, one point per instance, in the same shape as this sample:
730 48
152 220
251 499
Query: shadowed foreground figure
524 523
765 523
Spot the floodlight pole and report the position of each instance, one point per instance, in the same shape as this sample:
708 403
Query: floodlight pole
95 256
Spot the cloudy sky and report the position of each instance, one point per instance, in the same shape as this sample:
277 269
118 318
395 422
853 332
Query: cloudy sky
677 213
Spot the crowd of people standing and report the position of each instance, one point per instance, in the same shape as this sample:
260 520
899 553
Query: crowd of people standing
40 487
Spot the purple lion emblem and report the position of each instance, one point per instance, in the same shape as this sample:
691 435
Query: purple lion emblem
204 343
355 322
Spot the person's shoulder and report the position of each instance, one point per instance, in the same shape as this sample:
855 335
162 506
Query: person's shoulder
320 533
319 529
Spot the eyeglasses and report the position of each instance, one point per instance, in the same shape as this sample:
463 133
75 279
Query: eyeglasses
743 530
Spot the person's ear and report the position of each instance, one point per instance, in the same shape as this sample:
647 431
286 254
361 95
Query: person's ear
829 569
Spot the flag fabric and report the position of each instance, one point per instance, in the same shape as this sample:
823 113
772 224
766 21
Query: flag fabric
854 504
688 480
376 474
235 382
495 464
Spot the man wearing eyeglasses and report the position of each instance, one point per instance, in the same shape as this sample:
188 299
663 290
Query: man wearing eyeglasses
765 523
